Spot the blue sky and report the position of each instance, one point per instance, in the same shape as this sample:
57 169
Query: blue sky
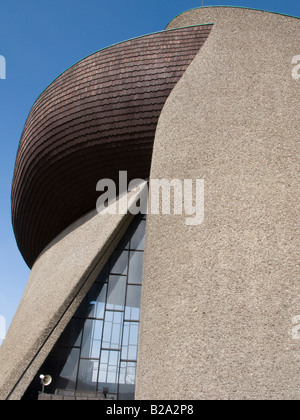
39 40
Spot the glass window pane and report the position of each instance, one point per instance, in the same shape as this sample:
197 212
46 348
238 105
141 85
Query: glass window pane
133 302
109 371
124 242
119 262
135 274
130 341
88 375
71 337
68 366
138 235
116 293
81 310
92 336
127 380
112 332
102 278
95 302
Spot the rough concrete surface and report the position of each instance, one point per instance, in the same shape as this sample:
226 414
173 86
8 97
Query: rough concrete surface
219 298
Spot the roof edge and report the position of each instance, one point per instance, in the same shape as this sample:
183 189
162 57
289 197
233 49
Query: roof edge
117 44
233 7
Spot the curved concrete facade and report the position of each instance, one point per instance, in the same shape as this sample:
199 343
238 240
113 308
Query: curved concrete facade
219 298
58 282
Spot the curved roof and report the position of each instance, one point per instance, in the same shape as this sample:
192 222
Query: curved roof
97 118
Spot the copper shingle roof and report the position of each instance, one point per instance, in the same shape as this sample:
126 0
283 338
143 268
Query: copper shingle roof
97 118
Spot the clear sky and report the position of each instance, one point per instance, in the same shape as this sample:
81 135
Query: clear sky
39 40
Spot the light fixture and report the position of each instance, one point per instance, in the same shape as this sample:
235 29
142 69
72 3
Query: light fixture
45 381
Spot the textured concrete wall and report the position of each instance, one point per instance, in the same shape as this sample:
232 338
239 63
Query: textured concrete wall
58 282
218 299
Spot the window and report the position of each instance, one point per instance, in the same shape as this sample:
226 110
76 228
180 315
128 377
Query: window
98 349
